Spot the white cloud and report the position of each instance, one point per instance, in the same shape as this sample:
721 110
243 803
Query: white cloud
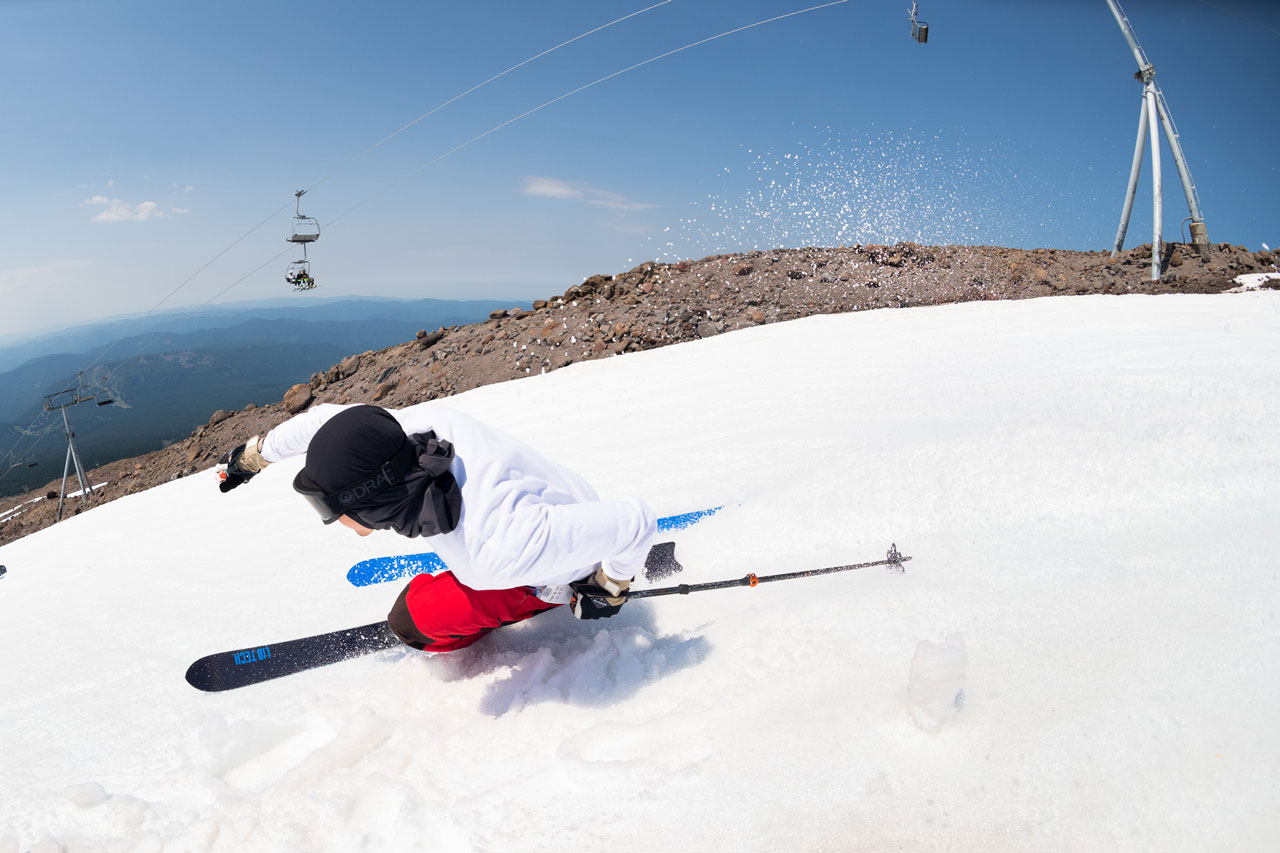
551 188
116 210
576 191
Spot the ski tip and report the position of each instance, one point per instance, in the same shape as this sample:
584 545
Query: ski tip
198 676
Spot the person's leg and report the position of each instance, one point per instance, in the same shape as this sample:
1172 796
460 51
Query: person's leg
437 613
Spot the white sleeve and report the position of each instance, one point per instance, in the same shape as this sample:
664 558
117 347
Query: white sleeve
293 436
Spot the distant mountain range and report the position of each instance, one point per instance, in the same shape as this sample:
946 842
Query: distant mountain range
167 373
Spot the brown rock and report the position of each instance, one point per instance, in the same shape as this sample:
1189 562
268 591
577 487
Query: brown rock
743 269
297 398
426 340
218 417
384 389
348 366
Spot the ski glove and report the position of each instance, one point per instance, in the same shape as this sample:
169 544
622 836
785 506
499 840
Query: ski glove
598 596
241 464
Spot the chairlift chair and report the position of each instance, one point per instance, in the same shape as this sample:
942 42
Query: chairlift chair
87 390
305 228
299 275
919 29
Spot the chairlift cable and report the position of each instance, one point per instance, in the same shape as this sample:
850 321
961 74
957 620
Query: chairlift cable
497 76
441 157
285 206
188 279
278 210
571 92
113 371
12 452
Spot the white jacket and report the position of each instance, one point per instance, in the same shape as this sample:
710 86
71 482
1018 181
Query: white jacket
526 521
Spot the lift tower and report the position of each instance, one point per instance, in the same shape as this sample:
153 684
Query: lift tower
61 401
1155 112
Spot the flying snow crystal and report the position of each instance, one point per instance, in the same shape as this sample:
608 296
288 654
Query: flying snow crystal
935 690
880 188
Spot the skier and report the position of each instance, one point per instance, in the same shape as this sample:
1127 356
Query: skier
519 533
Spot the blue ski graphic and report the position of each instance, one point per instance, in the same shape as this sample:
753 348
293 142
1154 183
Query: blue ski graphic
383 569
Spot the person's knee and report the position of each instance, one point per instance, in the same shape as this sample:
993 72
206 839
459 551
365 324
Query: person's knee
402 625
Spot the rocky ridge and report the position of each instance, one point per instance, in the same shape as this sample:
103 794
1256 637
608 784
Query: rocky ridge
653 305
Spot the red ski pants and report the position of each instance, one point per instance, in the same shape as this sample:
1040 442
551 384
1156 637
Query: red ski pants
437 613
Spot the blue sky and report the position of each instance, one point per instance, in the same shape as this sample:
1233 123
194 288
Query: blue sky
142 141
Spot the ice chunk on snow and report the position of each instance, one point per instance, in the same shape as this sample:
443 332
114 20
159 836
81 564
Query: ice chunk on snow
87 794
935 690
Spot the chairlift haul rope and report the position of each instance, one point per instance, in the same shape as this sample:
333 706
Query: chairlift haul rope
303 274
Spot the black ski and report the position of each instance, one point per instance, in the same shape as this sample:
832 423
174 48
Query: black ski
242 667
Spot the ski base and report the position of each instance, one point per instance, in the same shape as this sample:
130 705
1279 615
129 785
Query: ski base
384 569
242 667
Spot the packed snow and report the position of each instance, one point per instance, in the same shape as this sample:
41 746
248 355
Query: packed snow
1083 653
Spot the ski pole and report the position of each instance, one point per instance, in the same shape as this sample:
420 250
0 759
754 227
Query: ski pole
893 560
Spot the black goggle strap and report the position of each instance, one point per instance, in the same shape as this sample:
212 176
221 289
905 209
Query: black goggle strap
392 472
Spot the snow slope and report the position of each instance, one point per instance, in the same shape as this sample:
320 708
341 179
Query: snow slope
1083 653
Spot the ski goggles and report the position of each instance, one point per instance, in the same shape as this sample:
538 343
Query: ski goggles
333 505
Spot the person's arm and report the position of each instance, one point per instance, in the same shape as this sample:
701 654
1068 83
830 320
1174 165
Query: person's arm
243 462
292 437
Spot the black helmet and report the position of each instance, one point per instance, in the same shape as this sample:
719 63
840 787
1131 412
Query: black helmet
357 457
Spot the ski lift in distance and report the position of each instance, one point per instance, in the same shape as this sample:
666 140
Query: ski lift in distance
919 29
299 275
86 391
28 460
305 228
